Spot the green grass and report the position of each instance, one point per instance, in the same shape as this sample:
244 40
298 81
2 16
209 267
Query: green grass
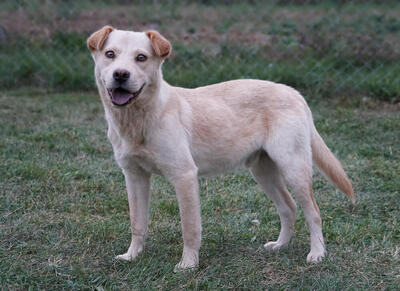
324 49
64 211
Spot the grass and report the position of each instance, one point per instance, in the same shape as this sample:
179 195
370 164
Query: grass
63 206
64 211
324 49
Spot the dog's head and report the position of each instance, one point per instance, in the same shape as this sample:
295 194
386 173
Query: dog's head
127 63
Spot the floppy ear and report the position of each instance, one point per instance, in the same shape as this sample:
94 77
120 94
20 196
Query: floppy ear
97 39
161 46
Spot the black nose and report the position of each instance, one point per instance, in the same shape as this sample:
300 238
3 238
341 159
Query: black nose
121 75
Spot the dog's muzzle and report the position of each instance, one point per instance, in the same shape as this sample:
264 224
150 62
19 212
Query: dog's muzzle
122 97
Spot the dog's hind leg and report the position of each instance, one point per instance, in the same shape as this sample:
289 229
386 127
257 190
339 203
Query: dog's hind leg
266 173
295 163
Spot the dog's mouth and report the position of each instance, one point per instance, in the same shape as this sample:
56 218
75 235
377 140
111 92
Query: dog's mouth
122 97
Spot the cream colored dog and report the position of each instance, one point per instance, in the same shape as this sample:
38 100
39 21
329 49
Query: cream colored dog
185 133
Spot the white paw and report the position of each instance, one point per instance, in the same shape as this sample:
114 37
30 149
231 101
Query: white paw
274 245
190 261
180 267
315 257
130 255
126 257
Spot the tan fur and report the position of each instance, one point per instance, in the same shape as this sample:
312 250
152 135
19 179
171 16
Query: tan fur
330 166
97 39
161 46
185 133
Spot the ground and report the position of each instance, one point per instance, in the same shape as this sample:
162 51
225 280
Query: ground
63 205
64 210
325 49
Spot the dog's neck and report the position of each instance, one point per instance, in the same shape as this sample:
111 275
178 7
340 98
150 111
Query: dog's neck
134 120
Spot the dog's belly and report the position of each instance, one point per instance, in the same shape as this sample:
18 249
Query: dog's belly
215 162
207 167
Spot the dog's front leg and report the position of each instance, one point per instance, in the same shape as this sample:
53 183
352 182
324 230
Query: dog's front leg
187 192
138 186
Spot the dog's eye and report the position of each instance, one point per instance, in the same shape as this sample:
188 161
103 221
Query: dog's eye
110 54
141 58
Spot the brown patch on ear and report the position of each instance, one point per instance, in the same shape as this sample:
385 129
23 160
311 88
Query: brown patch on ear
161 46
97 39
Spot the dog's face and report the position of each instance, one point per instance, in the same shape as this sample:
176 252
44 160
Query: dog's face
127 63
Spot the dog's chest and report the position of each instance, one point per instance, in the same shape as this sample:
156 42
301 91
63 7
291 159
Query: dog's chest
129 153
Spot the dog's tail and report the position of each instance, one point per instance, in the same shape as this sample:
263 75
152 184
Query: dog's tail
330 166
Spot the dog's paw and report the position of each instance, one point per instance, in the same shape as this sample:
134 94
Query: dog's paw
189 262
315 257
126 257
274 246
182 267
130 255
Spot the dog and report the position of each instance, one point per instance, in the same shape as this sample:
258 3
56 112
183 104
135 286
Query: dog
155 128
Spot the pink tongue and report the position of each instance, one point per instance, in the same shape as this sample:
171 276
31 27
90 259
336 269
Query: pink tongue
120 96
